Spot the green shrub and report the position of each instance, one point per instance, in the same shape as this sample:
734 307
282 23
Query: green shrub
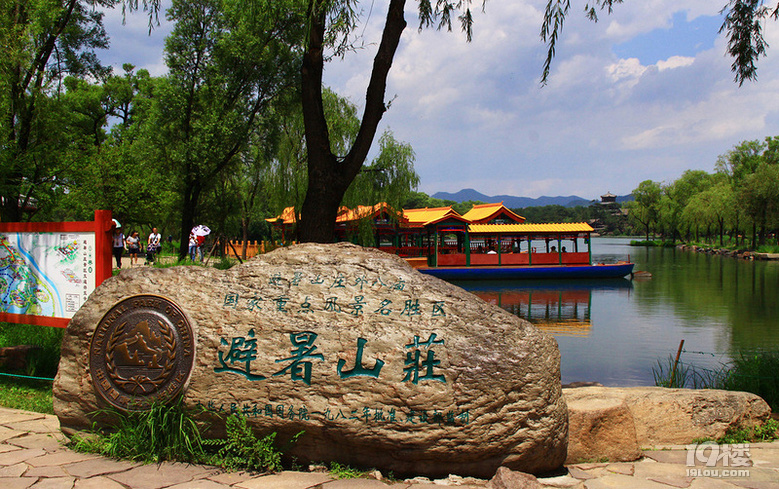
42 362
757 373
243 450
768 431
224 263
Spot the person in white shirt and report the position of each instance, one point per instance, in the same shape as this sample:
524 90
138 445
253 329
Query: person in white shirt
152 245
118 245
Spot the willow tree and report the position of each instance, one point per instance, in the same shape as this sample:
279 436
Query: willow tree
227 62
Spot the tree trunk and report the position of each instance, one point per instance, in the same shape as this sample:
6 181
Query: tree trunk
188 216
329 176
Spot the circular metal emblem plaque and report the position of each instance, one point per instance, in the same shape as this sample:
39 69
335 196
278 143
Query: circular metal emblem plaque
141 352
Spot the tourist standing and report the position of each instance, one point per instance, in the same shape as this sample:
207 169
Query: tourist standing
192 246
118 243
152 245
133 246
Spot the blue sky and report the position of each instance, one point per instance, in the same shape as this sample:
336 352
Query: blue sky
682 38
645 93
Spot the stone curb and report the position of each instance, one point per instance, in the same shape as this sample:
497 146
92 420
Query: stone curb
32 455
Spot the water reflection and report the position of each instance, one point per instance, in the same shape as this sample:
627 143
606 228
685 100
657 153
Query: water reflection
559 308
616 331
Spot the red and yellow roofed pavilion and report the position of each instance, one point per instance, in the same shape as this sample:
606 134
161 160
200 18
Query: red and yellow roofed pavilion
492 214
487 235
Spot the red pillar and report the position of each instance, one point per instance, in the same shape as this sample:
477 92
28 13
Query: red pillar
103 245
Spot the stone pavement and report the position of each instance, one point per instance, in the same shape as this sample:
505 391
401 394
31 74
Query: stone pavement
32 456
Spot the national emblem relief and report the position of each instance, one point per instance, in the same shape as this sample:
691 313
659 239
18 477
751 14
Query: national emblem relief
142 352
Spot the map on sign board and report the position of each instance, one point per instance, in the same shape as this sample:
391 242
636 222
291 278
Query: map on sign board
46 274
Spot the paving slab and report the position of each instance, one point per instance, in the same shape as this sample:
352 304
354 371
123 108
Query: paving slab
711 483
622 481
54 483
98 466
361 484
764 457
286 480
199 484
36 459
162 475
5 447
97 483
230 478
20 455
623 468
54 471
49 424
756 484
680 482
562 481
17 482
61 457
654 470
668 456
7 433
582 474
14 416
47 441
16 470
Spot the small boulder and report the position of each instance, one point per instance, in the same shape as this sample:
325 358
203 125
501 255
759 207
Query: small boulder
506 478
600 426
614 423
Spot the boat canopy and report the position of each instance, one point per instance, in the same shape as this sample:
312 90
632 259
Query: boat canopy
564 228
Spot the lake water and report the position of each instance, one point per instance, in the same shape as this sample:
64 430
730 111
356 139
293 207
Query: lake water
615 331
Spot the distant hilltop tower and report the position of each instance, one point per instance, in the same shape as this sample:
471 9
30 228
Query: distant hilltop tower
608 198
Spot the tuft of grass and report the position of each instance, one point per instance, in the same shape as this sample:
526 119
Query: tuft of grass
757 373
172 432
768 431
164 432
340 471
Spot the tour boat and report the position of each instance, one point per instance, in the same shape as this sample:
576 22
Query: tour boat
489 242
492 243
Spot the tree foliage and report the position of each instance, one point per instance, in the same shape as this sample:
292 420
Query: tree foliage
43 42
741 198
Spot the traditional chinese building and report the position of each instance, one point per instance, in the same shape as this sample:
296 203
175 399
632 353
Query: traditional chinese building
487 235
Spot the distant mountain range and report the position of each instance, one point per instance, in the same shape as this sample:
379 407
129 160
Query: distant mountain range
513 202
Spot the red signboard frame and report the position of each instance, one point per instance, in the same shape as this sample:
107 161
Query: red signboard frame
101 226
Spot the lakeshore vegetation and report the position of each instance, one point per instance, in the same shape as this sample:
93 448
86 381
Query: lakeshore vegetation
736 206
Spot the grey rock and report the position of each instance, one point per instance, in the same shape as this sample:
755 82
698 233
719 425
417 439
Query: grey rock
379 365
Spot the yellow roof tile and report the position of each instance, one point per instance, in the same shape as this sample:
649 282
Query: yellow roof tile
531 228
420 217
483 212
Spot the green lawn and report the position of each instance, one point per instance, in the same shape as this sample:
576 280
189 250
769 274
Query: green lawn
28 395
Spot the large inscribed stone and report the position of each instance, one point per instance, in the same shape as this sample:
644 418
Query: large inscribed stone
379 365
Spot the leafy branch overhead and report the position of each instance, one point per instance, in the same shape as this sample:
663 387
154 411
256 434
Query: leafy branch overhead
743 23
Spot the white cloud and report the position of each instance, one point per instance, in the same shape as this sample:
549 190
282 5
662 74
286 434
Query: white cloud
477 117
675 62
